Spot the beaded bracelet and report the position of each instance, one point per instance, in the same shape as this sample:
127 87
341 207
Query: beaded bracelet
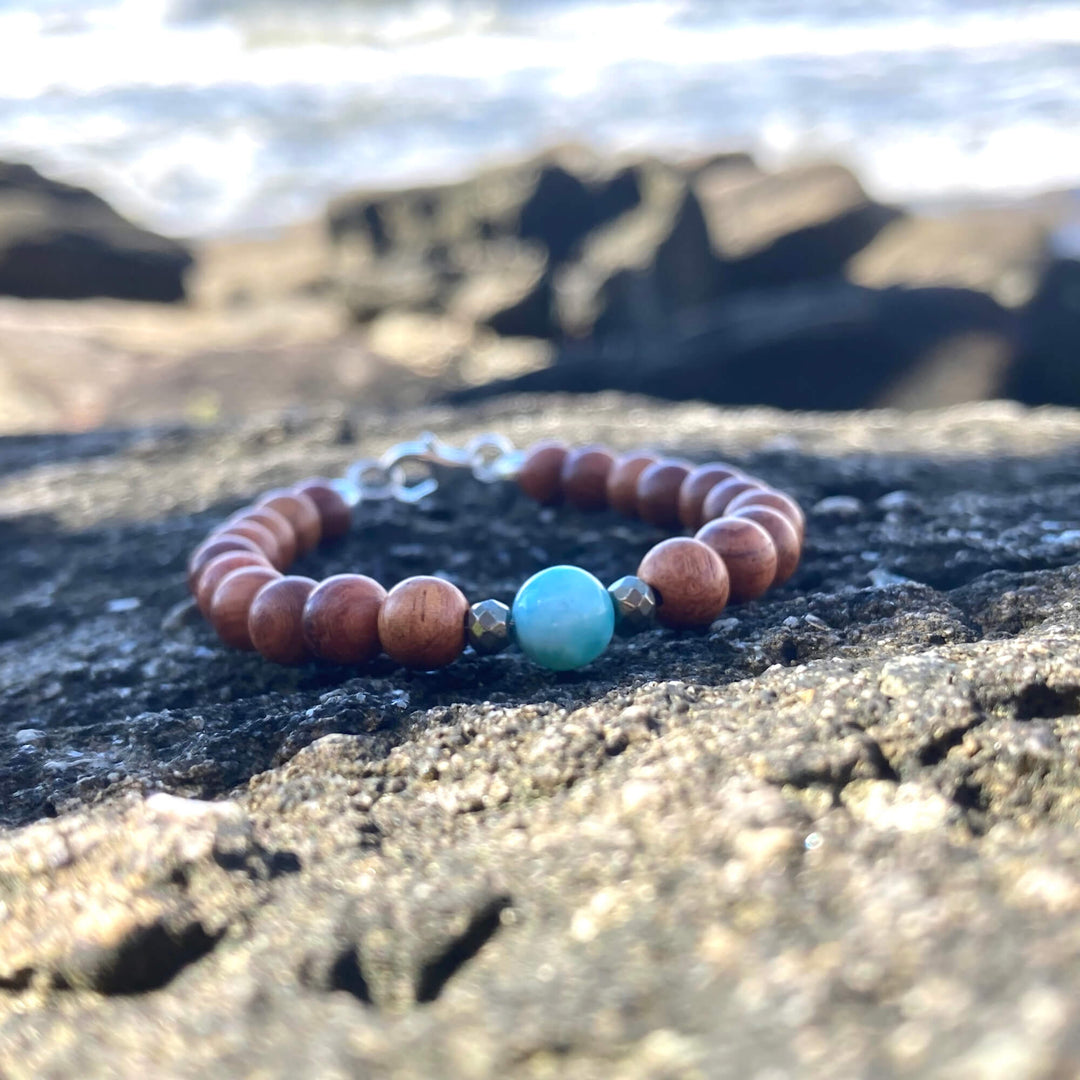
747 538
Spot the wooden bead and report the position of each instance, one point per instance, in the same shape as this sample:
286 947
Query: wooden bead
257 532
335 517
300 511
341 619
784 537
717 498
276 523
698 483
778 501
622 481
232 601
748 552
690 580
213 546
275 619
584 477
541 472
658 492
422 622
218 568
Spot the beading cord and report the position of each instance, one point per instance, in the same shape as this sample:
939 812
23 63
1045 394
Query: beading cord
747 538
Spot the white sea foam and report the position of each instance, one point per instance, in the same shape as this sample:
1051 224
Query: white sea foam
201 115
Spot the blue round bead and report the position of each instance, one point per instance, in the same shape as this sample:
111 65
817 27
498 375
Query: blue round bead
563 618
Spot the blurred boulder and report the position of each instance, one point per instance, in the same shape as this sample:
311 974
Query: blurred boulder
541 199
714 279
819 345
506 286
802 223
639 269
64 242
1001 251
1048 365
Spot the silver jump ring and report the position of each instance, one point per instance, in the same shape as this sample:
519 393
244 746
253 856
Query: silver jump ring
484 454
408 490
371 478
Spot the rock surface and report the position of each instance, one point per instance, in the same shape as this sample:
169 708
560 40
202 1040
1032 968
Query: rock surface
66 243
836 835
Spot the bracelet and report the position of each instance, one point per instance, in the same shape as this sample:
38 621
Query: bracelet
747 538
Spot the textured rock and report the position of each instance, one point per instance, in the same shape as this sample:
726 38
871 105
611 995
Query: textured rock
62 241
834 835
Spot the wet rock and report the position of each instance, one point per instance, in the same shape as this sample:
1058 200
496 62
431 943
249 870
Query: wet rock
65 242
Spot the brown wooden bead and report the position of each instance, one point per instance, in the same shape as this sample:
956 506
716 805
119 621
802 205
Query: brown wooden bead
300 511
658 492
698 483
584 477
748 552
690 580
778 501
276 523
335 517
784 536
257 532
218 568
232 601
622 481
213 546
341 619
716 500
275 619
422 622
541 472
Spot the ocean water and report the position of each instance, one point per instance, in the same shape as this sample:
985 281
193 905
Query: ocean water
204 116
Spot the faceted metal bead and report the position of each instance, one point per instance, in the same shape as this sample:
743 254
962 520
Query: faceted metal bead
487 627
635 605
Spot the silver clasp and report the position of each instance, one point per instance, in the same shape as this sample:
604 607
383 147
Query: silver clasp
407 471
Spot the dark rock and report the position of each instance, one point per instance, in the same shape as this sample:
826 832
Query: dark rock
1048 367
999 251
437 239
541 200
647 264
821 345
505 286
65 242
800 224
835 834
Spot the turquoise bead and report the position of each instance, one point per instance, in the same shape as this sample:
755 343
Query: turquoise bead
563 618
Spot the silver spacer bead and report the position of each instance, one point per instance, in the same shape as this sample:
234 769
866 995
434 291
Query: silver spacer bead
635 605
487 627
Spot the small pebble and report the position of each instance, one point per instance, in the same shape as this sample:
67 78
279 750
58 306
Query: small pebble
897 500
882 578
841 506
123 603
